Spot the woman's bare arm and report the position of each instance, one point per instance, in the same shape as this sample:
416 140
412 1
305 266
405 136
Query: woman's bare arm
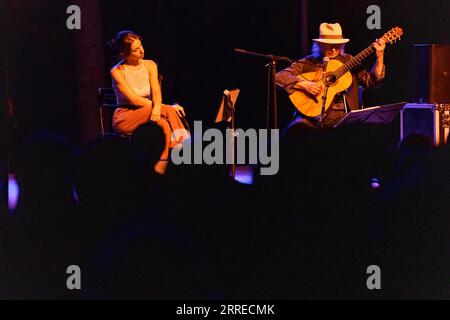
156 89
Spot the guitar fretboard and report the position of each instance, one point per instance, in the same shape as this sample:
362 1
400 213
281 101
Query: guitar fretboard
355 61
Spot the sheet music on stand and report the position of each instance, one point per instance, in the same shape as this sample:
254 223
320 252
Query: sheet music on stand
225 112
374 115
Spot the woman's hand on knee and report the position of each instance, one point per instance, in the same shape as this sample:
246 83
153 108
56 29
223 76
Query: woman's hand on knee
156 113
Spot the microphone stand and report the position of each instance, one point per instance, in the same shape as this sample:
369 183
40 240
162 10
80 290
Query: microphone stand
325 92
324 100
273 70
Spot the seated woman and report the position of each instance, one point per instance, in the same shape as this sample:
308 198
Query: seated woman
136 82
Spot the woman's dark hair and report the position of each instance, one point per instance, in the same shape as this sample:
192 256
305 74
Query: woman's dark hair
121 43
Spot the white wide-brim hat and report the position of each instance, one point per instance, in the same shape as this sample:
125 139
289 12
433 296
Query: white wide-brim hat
331 33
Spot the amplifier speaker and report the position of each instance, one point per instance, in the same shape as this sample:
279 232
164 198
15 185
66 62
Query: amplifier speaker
431 120
431 70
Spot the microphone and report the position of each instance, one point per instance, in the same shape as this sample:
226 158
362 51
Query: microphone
324 70
325 63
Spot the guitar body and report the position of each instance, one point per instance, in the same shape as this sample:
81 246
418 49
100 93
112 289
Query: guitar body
311 106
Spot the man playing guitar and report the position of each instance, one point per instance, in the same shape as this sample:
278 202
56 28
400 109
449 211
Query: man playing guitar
305 77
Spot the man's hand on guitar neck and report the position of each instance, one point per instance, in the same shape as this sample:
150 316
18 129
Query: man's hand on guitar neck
379 46
310 87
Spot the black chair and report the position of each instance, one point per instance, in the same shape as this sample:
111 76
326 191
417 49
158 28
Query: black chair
360 94
107 103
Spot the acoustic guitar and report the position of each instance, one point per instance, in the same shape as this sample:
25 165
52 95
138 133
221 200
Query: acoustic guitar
337 76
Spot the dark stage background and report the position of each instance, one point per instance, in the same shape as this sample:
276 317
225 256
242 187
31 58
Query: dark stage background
339 203
55 72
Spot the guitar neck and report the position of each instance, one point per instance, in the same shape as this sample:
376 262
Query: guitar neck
355 61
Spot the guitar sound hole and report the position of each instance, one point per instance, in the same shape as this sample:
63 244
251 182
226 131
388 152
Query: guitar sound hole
330 79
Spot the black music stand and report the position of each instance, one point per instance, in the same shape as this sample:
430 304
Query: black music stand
375 115
226 113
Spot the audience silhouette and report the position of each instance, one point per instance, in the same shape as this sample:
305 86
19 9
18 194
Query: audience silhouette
338 205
